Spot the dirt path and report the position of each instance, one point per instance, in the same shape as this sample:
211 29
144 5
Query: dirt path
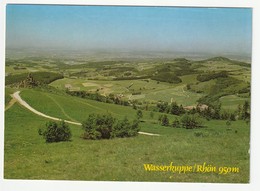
16 97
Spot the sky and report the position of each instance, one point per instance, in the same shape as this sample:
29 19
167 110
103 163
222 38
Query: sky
209 30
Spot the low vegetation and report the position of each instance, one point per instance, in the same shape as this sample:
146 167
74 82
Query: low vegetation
55 132
211 76
167 77
104 126
187 121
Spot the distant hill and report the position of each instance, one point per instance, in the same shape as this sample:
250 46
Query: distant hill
41 77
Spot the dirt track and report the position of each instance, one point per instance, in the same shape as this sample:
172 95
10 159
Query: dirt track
17 97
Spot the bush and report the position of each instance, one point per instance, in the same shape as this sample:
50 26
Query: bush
55 132
164 121
104 126
175 109
98 126
176 123
125 129
139 114
191 121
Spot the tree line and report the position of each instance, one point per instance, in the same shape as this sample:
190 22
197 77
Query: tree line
213 111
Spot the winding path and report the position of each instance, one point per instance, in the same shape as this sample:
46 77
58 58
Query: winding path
18 98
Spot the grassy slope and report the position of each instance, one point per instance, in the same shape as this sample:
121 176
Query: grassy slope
27 156
71 108
231 102
8 92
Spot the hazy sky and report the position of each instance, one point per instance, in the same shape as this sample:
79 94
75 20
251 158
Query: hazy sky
129 28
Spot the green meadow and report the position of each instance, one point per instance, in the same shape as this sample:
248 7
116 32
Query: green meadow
220 143
27 156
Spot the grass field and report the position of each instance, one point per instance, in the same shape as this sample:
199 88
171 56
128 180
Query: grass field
27 156
8 92
219 144
231 102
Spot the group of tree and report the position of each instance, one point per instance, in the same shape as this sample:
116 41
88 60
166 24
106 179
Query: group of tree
105 126
186 121
214 111
167 77
32 79
211 111
212 75
243 112
96 126
172 108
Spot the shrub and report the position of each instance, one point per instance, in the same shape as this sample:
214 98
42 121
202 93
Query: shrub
139 114
125 129
191 121
176 123
55 132
104 126
175 109
98 126
164 121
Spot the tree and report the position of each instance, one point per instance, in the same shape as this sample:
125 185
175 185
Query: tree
55 132
162 106
176 123
98 126
217 109
232 117
239 111
245 111
139 114
104 126
188 86
163 119
125 129
174 109
191 121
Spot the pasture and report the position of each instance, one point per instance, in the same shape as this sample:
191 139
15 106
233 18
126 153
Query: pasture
219 143
27 156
